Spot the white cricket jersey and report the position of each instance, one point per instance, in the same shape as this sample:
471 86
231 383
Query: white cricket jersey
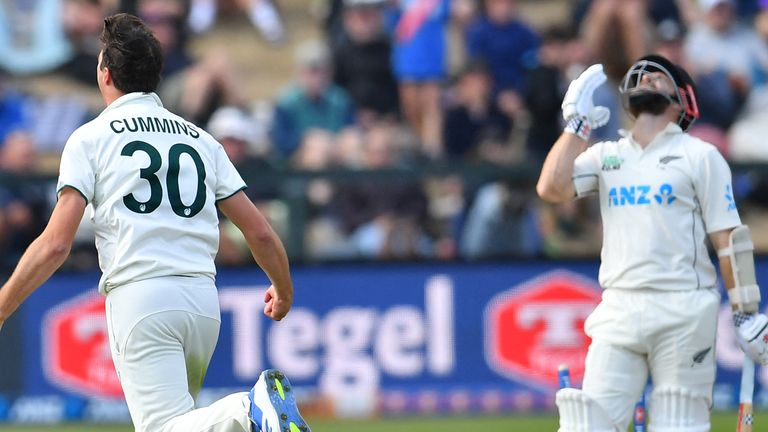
153 180
658 204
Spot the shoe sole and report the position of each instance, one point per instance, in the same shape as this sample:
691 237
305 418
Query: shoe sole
281 396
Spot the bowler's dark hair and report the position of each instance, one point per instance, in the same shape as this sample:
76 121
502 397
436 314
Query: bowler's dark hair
131 53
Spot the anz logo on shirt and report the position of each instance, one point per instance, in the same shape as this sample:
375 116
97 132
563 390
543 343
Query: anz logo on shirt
640 195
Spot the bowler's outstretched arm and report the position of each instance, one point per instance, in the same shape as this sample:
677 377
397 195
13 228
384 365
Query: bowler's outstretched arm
46 254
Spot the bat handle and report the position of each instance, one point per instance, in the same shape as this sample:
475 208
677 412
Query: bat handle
639 415
745 396
564 376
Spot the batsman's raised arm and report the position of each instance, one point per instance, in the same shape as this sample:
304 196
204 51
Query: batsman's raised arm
581 116
555 181
46 254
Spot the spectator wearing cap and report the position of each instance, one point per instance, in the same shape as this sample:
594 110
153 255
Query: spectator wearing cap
361 61
238 132
311 102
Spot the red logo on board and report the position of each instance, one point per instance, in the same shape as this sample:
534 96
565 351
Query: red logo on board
534 327
76 347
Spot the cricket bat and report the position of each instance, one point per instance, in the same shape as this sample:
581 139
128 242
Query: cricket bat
746 391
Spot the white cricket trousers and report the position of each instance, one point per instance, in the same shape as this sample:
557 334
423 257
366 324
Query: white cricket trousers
162 334
669 334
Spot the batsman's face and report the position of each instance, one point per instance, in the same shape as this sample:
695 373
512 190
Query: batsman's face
657 81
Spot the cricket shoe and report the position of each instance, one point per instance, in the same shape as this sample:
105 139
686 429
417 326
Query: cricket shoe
273 406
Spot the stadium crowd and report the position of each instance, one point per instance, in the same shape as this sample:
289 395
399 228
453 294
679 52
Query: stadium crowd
409 129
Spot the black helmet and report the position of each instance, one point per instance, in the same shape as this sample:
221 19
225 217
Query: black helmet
685 88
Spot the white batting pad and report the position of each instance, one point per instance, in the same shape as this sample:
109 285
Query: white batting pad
579 413
678 410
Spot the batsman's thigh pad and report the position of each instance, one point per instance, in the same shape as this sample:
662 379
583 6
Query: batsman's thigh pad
579 413
674 409
615 377
683 341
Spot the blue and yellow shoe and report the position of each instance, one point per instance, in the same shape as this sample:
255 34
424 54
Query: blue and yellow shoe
273 406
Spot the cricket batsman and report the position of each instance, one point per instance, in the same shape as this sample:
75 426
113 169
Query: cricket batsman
662 194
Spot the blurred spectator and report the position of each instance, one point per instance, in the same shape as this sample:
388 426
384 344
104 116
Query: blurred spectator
761 19
419 62
617 32
746 142
500 223
362 61
243 138
475 121
56 116
24 205
330 13
508 45
571 229
546 85
262 13
463 15
83 21
721 44
727 59
383 218
238 132
190 88
376 216
669 41
13 112
311 102
446 198
32 37
746 138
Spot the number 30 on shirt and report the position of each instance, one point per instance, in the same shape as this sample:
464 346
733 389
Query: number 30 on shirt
171 181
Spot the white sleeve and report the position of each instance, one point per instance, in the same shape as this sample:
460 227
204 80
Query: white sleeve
228 180
586 172
715 192
77 170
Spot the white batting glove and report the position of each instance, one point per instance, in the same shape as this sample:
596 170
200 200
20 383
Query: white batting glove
752 333
580 114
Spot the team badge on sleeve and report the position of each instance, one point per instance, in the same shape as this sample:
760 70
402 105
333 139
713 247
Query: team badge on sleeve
611 163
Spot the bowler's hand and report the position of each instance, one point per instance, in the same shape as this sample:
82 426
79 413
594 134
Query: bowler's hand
275 307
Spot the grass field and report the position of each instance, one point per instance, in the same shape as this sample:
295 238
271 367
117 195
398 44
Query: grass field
720 422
